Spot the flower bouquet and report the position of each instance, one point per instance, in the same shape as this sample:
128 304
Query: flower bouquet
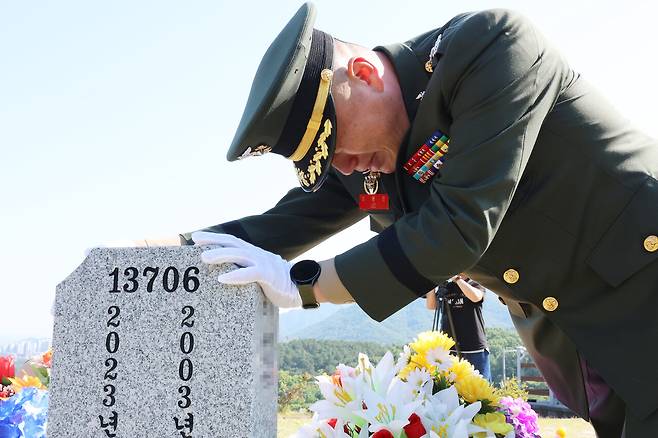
426 393
24 400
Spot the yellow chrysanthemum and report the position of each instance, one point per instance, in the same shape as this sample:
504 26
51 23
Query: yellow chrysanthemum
472 387
494 422
26 382
461 369
416 361
475 388
560 432
423 343
426 341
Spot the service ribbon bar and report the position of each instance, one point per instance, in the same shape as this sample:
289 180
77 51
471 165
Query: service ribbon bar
424 164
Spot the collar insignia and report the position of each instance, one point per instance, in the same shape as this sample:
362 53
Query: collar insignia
431 62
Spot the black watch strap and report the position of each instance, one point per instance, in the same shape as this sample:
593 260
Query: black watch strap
308 297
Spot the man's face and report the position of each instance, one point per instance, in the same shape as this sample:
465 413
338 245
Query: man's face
365 145
369 135
372 122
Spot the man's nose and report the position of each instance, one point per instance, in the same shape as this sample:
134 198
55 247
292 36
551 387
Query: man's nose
344 164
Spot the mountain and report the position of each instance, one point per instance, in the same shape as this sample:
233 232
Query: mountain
350 323
297 320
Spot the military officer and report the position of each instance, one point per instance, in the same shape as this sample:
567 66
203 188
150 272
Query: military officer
473 148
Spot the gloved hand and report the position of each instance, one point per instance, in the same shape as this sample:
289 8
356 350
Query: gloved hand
256 265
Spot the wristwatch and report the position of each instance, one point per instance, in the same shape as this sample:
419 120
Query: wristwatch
305 274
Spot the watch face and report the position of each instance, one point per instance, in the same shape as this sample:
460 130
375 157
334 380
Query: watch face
305 271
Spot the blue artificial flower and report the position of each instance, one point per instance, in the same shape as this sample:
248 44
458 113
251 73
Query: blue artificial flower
9 430
24 414
9 408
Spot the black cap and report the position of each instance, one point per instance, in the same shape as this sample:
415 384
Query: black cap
290 110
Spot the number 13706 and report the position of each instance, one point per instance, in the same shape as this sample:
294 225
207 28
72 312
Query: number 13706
170 278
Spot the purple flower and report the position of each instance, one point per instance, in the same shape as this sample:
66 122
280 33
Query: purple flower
521 416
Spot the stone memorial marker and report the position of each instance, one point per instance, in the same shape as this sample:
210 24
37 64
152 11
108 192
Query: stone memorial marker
147 343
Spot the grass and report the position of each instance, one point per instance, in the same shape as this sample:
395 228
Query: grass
288 423
574 427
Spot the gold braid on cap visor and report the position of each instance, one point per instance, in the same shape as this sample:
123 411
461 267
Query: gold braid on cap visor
321 149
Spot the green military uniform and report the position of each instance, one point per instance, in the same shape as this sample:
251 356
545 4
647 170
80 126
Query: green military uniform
547 196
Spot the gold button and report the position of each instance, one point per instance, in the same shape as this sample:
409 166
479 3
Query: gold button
550 304
651 243
511 276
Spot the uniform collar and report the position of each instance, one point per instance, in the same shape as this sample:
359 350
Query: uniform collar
411 74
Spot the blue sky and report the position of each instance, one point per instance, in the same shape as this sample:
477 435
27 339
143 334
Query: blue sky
115 117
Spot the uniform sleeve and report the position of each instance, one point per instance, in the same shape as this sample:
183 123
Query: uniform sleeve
498 81
298 222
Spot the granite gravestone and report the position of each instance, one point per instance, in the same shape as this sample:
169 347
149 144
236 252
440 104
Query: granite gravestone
147 343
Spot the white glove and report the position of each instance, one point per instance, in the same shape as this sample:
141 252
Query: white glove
256 265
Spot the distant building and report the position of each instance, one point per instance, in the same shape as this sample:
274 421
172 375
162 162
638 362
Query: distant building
26 347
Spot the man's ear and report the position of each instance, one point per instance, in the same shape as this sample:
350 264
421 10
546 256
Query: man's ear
362 69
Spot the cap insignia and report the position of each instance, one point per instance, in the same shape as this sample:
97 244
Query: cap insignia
257 151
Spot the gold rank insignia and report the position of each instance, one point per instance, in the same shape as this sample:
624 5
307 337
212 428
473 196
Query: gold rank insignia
314 168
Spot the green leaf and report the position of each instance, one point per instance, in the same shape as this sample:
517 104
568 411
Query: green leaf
441 382
43 371
487 407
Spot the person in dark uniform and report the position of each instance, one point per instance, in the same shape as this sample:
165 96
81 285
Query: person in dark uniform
460 300
473 147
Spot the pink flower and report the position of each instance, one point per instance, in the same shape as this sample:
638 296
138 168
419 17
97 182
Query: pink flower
7 368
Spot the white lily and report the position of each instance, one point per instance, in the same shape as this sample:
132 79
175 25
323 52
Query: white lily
391 412
341 387
322 429
343 395
442 415
403 359
377 378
